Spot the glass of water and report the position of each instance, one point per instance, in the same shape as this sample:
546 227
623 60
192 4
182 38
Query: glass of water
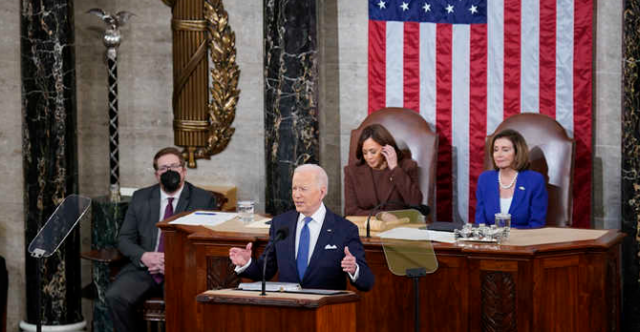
246 210
503 221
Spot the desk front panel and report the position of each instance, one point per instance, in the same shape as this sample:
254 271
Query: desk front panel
571 287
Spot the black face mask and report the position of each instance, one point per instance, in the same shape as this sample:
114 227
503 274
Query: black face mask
170 181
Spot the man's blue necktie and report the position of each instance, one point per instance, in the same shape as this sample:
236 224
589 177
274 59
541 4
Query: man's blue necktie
303 248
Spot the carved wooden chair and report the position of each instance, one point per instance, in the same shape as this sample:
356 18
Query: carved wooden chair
413 136
551 153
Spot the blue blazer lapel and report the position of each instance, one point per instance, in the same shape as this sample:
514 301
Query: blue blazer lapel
324 238
518 194
494 194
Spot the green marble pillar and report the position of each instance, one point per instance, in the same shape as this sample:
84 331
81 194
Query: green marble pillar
105 224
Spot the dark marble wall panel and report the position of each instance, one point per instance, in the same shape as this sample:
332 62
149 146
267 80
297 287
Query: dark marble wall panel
290 95
631 168
49 151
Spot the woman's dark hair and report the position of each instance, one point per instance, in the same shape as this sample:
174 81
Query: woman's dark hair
521 151
380 135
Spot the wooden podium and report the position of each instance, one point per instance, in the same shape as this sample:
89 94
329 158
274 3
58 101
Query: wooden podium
236 310
550 279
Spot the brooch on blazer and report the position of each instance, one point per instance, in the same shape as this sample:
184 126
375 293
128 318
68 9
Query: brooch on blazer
521 188
330 247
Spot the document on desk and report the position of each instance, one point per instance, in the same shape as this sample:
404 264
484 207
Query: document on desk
204 218
413 234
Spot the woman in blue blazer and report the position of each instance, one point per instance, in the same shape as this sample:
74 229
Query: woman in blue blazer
510 187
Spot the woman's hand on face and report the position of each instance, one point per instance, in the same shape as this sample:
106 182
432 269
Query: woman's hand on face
390 156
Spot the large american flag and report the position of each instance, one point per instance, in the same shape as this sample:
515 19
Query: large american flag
466 65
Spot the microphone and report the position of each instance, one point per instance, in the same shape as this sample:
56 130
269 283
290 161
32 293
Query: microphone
281 234
423 209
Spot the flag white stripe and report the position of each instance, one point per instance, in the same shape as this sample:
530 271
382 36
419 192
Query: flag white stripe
460 119
495 63
564 64
394 66
428 73
530 55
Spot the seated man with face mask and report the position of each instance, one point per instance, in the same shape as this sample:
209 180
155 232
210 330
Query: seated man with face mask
142 242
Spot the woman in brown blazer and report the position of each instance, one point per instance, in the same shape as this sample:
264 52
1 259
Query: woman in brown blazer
380 175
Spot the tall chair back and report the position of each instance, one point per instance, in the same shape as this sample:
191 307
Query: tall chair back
551 153
414 137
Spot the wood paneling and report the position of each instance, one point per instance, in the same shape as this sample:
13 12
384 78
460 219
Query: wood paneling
571 286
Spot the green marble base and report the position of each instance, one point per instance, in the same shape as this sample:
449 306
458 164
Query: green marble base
105 224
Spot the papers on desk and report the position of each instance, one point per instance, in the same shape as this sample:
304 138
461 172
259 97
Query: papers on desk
413 234
270 286
204 218
262 223
285 287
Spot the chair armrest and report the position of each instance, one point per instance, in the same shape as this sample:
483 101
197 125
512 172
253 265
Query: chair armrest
107 255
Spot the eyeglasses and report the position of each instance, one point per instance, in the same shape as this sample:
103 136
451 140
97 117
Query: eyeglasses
173 167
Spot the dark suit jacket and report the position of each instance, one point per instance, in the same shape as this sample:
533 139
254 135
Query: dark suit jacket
399 185
324 270
528 207
139 233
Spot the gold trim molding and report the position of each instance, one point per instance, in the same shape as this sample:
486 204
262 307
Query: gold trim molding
205 78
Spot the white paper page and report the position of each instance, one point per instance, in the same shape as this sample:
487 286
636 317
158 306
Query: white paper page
205 218
405 233
263 223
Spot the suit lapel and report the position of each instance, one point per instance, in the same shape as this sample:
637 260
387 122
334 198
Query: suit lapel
324 238
154 211
183 200
289 255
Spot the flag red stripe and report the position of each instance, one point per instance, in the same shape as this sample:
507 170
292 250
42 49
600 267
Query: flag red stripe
444 185
512 84
377 63
582 101
478 109
548 57
411 64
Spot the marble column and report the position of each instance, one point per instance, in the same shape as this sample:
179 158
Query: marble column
631 167
49 152
290 95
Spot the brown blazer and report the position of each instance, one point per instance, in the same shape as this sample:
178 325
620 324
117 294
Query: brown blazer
399 185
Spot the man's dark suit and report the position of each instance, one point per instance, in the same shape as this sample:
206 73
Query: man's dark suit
138 235
324 270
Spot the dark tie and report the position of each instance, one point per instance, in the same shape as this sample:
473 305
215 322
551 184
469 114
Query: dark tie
168 212
303 248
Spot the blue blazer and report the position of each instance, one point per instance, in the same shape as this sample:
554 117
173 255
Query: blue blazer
528 207
324 270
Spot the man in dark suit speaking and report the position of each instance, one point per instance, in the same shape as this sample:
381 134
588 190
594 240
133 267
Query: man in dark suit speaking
322 249
142 242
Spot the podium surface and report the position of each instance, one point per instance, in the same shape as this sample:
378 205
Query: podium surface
540 280
237 310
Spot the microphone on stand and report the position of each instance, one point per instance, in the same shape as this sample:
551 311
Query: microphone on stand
281 234
423 209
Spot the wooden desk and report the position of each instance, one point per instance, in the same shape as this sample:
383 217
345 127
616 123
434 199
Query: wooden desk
234 310
560 286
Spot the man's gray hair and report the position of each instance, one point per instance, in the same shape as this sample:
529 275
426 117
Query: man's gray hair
321 176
